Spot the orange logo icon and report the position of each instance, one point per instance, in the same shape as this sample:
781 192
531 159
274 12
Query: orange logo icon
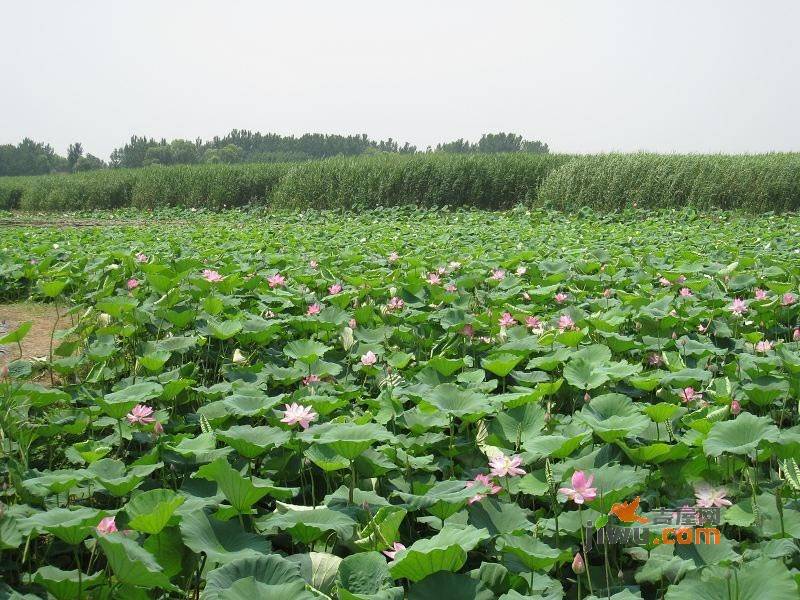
626 511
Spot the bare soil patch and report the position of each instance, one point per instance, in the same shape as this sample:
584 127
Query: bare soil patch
37 342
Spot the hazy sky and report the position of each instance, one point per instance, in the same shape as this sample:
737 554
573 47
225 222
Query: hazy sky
584 76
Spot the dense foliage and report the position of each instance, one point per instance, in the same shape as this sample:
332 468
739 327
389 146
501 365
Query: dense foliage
755 183
403 404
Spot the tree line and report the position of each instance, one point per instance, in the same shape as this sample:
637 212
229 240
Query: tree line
239 146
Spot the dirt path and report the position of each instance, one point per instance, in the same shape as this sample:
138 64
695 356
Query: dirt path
37 342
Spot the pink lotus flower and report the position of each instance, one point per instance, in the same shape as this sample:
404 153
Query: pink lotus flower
581 489
396 547
507 320
796 335
334 289
451 287
441 270
468 330
498 275
313 264
434 279
736 408
140 414
314 309
761 294
703 328
212 276
352 324
276 280
665 282
565 322
521 271
106 525
654 359
393 257
33 261
297 413
454 265
578 566
533 323
395 303
764 346
689 394
708 496
607 293
309 379
681 279
685 292
369 358
561 297
788 299
133 284
141 257
506 466
482 480
738 307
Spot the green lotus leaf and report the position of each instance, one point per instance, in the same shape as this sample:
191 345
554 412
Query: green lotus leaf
251 442
365 576
515 427
318 569
613 417
112 475
445 551
446 366
268 576
221 541
223 330
150 511
306 526
741 435
758 579
66 585
532 552
117 404
347 439
498 517
242 492
450 586
16 336
70 526
307 351
443 499
501 364
131 564
457 402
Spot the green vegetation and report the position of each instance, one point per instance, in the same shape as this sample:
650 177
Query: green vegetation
755 183
403 404
766 182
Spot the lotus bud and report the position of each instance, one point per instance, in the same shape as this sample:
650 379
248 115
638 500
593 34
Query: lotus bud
578 566
238 357
158 428
586 397
796 335
3 372
736 408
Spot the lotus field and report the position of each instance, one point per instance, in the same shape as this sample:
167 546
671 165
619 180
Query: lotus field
401 404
